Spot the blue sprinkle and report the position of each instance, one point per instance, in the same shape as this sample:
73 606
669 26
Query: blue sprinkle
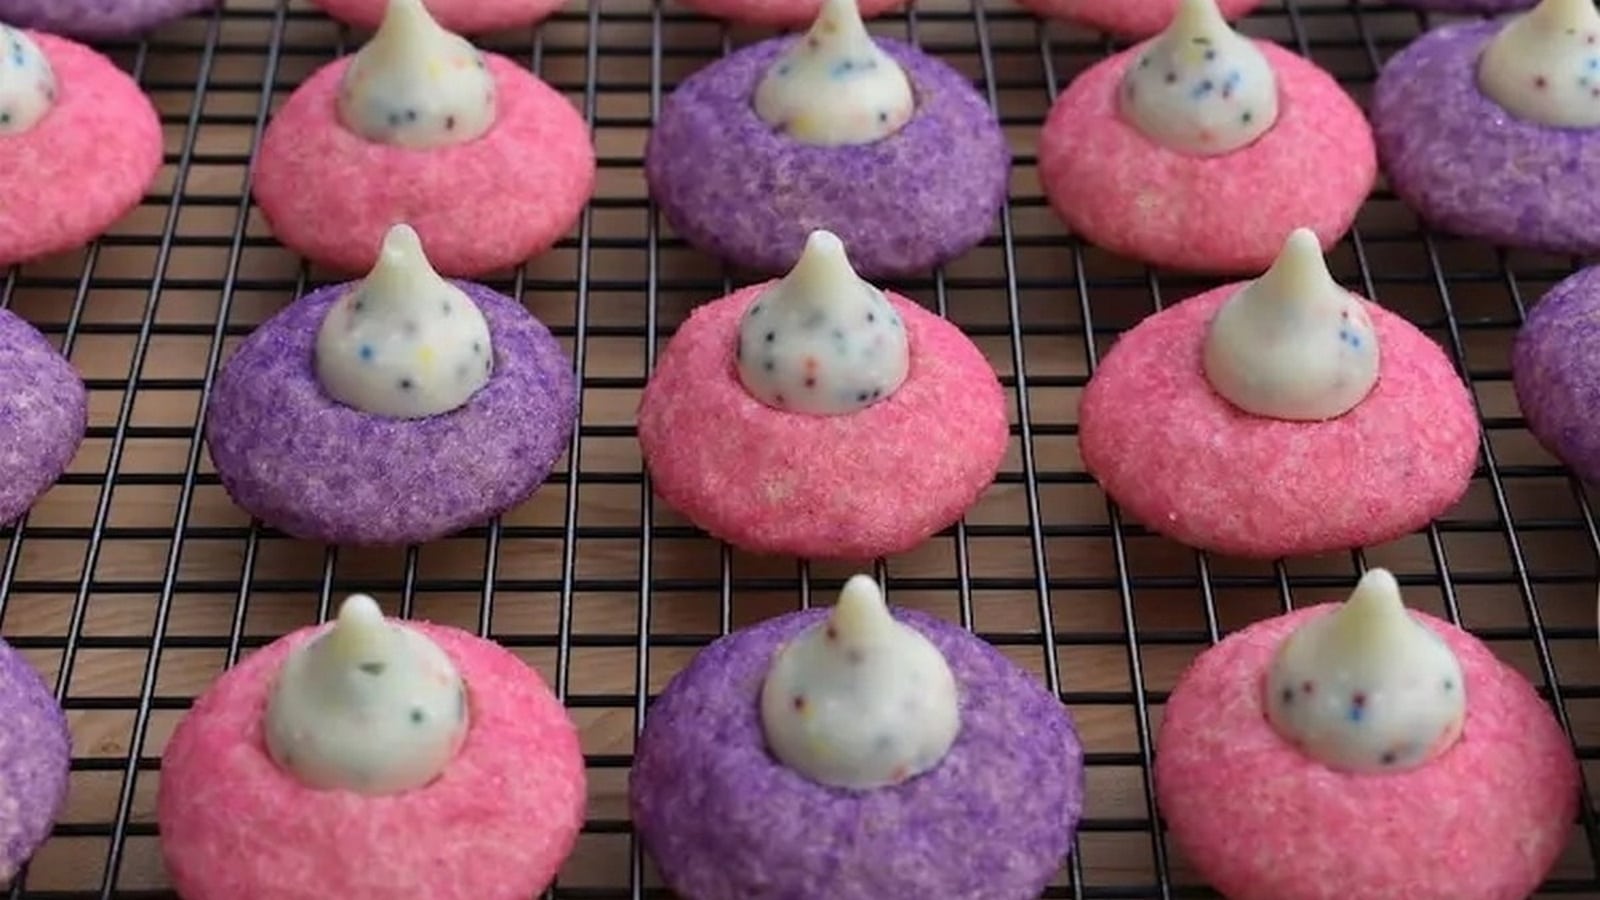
842 69
1594 64
783 71
1203 88
366 353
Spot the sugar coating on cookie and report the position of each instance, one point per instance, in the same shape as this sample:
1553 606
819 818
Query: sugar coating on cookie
1200 87
27 82
417 85
836 86
821 340
1293 344
1544 65
369 706
1365 687
860 701
404 342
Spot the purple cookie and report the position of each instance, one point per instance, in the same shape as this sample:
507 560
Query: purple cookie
1555 369
1467 6
1469 167
319 470
723 820
44 410
35 754
734 187
97 19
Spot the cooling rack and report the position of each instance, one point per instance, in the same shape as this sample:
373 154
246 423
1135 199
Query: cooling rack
135 581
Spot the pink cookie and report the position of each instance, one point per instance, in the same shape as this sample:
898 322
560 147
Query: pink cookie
1127 18
780 13
1224 214
480 207
83 166
858 486
459 16
1260 820
1190 465
496 825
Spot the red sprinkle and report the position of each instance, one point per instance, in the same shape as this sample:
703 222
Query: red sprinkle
799 703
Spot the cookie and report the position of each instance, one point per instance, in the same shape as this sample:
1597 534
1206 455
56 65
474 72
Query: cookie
974 790
1171 156
460 16
44 408
1297 760
780 13
1126 18
80 145
920 182
98 20
376 412
266 795
1472 166
864 425
1555 370
488 163
35 755
1279 417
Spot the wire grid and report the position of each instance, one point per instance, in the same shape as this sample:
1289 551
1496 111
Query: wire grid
135 581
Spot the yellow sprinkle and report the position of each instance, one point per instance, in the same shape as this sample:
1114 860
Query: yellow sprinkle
801 127
435 69
425 357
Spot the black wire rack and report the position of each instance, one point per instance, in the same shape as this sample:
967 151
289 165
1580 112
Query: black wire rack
135 581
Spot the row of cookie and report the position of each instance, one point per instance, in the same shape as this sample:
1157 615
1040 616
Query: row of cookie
476 152
92 19
1146 153
1197 150
818 416
864 753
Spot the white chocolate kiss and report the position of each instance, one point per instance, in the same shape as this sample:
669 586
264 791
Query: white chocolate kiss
860 701
369 705
835 85
1544 65
404 343
417 85
1367 687
1293 344
27 82
821 340
1200 87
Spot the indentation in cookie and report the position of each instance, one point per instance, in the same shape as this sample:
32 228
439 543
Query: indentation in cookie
1200 87
417 85
836 86
1367 687
370 706
404 342
1544 65
860 701
27 82
1293 344
821 340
